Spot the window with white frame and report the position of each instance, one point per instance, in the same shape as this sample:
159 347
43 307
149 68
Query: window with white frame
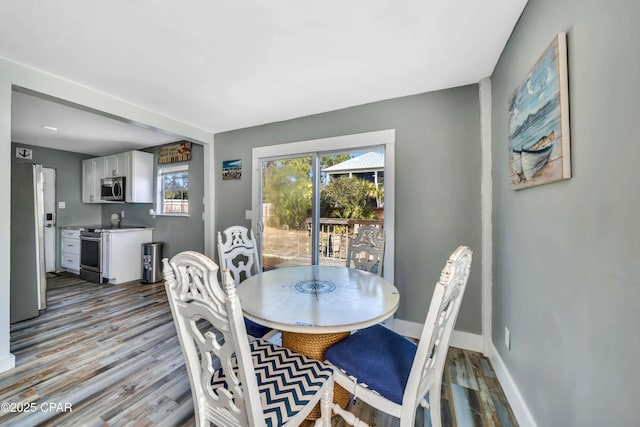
173 190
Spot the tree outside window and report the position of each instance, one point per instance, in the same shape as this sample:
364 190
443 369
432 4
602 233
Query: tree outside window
287 192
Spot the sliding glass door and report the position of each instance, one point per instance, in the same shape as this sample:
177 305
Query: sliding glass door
311 205
310 197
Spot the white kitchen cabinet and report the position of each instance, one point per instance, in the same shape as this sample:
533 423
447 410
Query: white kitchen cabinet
92 173
115 165
70 250
122 254
135 166
139 185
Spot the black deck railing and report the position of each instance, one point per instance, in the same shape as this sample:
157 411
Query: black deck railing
336 232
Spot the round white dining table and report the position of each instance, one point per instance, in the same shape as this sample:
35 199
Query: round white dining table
316 306
318 299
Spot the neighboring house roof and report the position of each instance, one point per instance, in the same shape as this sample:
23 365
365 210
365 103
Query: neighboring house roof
368 161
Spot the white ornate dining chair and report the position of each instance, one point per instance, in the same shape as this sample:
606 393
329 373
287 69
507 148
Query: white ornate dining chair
391 373
238 253
235 382
366 250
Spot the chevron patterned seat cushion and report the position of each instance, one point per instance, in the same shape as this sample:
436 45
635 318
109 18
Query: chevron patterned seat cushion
377 357
287 381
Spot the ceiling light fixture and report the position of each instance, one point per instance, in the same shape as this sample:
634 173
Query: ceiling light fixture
50 128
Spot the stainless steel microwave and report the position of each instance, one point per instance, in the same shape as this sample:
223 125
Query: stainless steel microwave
113 189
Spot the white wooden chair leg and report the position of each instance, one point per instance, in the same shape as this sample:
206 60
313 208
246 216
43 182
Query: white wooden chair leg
326 403
434 408
349 417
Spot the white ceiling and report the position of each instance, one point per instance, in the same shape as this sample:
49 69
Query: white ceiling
78 130
223 65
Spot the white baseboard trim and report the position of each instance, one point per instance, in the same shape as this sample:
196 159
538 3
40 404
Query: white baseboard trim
466 341
7 362
407 329
459 339
518 405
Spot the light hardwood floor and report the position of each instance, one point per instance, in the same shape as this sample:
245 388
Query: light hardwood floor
108 355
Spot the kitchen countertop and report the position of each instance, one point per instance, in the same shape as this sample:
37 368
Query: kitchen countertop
124 228
108 228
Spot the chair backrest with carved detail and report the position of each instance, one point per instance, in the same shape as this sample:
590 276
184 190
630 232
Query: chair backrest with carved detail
425 377
366 250
196 298
238 252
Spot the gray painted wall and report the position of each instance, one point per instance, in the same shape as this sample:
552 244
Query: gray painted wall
567 255
68 168
177 233
437 183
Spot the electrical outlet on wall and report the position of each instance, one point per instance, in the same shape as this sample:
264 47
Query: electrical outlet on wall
507 338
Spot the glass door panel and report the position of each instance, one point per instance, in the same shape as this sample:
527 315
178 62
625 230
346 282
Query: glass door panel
286 212
351 194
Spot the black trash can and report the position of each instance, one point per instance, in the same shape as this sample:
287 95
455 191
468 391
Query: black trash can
151 262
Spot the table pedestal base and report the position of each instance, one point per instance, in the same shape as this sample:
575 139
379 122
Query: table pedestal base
314 346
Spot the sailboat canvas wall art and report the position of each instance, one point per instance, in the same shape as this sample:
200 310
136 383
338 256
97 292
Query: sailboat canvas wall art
539 142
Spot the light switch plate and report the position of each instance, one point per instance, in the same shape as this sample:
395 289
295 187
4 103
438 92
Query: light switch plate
62 205
248 214
507 338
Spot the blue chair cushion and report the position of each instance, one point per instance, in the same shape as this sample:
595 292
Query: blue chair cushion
287 381
377 357
255 329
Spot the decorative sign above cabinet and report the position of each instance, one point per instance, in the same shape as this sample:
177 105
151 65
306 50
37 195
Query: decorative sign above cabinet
180 152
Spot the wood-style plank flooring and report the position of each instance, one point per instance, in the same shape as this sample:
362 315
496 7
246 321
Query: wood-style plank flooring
108 355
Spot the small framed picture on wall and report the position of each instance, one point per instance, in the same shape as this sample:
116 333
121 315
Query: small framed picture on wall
231 169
